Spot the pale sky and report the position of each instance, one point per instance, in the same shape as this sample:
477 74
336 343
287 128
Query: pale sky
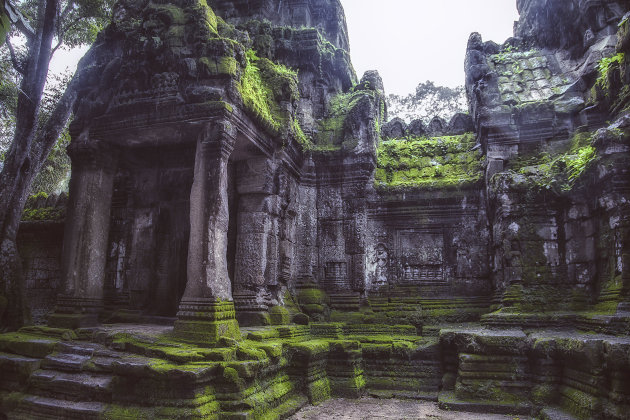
407 41
411 41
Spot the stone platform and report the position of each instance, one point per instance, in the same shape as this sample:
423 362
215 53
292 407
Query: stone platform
143 371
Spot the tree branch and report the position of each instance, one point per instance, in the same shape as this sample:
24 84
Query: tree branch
17 18
16 64
56 47
66 10
60 34
49 134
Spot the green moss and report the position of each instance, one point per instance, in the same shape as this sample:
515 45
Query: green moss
299 135
165 347
262 86
46 213
214 66
309 348
117 412
486 390
279 315
204 15
263 399
311 296
230 375
438 162
272 348
330 130
318 391
557 171
38 195
331 135
263 335
578 402
172 13
27 344
248 350
62 333
544 394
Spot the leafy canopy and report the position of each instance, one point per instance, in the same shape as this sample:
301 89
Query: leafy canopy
428 101
79 22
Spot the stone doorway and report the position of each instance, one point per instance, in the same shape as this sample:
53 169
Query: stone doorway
149 230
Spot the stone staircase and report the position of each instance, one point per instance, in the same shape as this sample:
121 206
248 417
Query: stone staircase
73 382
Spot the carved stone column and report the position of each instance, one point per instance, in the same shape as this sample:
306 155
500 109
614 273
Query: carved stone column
255 274
306 225
85 238
206 311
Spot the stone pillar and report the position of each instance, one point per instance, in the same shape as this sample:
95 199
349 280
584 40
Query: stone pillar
85 237
255 273
354 195
206 311
306 225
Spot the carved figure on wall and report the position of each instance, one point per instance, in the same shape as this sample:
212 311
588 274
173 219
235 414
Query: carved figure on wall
381 257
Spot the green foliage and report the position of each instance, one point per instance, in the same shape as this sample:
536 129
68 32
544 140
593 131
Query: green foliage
262 86
8 101
79 23
427 102
558 171
55 173
81 20
504 55
604 66
299 135
5 24
428 162
47 213
116 412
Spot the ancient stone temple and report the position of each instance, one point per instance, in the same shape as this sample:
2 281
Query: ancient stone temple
246 233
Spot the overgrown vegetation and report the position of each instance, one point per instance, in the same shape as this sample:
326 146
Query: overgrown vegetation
330 131
262 86
604 66
428 162
558 171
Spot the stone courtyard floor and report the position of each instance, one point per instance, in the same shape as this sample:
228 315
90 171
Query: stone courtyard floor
372 408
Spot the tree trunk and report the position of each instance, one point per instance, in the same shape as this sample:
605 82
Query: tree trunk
19 168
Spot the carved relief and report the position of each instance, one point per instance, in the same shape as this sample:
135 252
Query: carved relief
420 257
381 261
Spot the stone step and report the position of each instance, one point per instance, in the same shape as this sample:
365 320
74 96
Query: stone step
554 413
27 344
71 386
448 401
86 349
43 408
58 333
65 362
101 364
81 349
16 371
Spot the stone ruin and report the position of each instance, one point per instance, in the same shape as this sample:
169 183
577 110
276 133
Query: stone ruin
245 233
